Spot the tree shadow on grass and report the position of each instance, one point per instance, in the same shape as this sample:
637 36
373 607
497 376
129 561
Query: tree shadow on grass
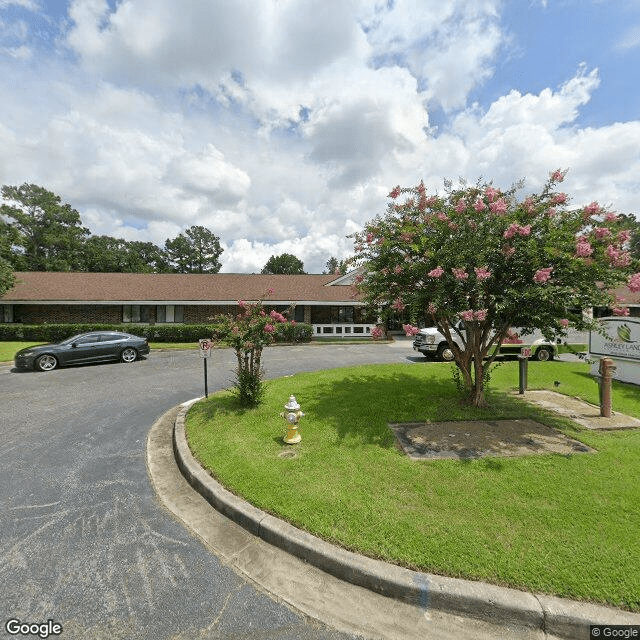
626 390
219 404
361 406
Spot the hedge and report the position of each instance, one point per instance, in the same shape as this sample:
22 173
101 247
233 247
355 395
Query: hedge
154 333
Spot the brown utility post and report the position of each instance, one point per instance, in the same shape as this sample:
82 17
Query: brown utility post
606 369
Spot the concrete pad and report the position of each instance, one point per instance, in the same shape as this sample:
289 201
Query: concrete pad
585 414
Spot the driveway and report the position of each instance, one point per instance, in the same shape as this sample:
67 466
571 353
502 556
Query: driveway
83 539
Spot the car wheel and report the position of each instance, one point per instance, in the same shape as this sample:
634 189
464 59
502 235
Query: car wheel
444 353
128 355
543 354
46 363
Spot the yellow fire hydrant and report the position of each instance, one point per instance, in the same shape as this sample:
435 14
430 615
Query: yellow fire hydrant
292 415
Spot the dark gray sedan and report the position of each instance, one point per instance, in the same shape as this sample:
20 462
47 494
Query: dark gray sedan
96 346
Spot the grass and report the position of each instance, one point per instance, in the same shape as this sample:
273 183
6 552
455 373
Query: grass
563 525
166 346
8 349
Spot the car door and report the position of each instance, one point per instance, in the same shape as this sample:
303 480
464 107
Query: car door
110 346
84 348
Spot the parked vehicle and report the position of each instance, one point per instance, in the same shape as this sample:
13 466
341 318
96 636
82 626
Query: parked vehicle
431 343
96 346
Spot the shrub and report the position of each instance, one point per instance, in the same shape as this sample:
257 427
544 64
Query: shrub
293 332
154 333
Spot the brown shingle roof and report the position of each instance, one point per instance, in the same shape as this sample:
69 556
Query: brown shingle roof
629 297
134 287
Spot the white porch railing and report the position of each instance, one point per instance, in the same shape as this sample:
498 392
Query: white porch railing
342 330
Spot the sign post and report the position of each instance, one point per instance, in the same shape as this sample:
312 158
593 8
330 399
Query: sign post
205 354
523 365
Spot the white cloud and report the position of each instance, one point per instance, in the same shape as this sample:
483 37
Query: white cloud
548 110
202 41
209 174
25 4
449 46
629 40
528 136
314 250
282 125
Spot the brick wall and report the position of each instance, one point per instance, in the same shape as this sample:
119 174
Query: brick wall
59 313
203 313
112 314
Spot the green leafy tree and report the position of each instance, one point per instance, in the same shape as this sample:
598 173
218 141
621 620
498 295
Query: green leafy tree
335 266
151 255
9 238
7 279
635 245
479 259
248 333
285 263
114 255
634 227
195 251
48 235
104 254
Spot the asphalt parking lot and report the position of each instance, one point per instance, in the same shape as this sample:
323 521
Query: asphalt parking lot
83 539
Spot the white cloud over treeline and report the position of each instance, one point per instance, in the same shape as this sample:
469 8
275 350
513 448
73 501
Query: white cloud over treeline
281 125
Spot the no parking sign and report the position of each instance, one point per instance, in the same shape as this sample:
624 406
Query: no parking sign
205 347
205 352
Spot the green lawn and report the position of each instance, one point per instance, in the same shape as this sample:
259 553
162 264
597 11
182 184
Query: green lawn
8 349
174 345
564 525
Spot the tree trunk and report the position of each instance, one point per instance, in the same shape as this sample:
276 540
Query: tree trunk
476 397
472 367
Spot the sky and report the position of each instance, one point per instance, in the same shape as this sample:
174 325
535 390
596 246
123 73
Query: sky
282 125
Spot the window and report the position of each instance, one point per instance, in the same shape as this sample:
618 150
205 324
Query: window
6 313
92 338
135 313
112 337
169 313
341 314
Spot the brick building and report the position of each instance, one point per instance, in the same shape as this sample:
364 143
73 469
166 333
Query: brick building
328 302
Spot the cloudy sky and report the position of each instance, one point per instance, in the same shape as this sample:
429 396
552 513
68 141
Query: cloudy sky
282 125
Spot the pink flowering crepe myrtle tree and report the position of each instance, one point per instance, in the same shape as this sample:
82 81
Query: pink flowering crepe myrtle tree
248 333
479 255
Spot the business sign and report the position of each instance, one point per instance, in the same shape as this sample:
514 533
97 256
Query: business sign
620 339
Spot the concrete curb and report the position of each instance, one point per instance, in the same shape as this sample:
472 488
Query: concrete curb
490 603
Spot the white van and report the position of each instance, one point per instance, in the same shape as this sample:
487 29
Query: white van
431 343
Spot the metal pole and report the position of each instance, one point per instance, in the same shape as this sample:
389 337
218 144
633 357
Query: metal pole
206 390
522 374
